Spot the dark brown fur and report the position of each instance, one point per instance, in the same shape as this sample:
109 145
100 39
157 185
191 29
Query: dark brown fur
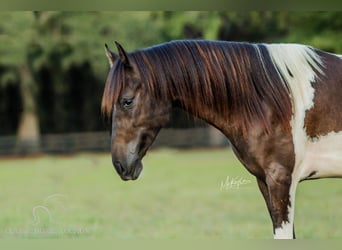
325 118
227 77
233 86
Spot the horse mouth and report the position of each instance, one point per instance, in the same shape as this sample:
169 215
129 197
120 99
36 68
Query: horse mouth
133 174
131 170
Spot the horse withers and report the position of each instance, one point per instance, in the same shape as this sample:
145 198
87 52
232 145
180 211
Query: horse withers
278 104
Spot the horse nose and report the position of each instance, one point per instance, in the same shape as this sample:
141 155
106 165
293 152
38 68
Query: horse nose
119 167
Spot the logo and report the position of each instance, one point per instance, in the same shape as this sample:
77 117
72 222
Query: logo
50 206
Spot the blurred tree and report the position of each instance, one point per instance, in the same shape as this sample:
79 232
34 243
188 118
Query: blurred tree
53 67
19 37
188 25
58 60
250 26
318 29
78 66
322 30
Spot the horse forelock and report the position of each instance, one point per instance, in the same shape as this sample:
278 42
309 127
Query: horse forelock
113 87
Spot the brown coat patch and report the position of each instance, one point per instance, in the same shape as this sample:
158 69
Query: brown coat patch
326 114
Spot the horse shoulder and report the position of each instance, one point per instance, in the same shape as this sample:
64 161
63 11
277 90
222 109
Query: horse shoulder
319 153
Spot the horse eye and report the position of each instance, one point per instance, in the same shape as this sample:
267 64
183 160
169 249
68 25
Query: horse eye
127 103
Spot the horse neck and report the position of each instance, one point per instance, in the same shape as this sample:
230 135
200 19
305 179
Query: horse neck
210 116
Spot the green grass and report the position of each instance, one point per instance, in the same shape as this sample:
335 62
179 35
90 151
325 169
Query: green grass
179 195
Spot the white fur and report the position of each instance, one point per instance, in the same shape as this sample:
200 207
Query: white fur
286 229
284 232
322 154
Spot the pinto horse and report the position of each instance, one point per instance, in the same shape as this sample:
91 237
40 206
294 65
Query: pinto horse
280 105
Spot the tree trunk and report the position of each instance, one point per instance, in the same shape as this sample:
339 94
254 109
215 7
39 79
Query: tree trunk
28 135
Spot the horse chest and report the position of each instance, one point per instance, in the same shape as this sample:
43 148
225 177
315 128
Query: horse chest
320 157
258 151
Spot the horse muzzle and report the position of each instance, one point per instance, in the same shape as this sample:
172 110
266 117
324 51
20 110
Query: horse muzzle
128 172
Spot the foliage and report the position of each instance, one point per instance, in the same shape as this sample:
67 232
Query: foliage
64 52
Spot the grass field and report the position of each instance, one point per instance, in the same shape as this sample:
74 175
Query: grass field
181 194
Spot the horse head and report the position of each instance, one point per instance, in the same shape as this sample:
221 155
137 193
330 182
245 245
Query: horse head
136 116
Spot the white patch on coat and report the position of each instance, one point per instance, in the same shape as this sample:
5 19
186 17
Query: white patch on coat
285 231
322 154
319 157
296 58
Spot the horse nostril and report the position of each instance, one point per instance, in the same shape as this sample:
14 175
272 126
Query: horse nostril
119 167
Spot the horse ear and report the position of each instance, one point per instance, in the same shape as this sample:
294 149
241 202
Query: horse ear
122 54
110 55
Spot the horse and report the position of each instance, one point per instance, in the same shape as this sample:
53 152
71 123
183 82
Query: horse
278 104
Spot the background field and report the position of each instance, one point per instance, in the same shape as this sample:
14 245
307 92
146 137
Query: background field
179 195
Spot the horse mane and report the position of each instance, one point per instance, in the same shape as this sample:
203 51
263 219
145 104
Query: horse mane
234 79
